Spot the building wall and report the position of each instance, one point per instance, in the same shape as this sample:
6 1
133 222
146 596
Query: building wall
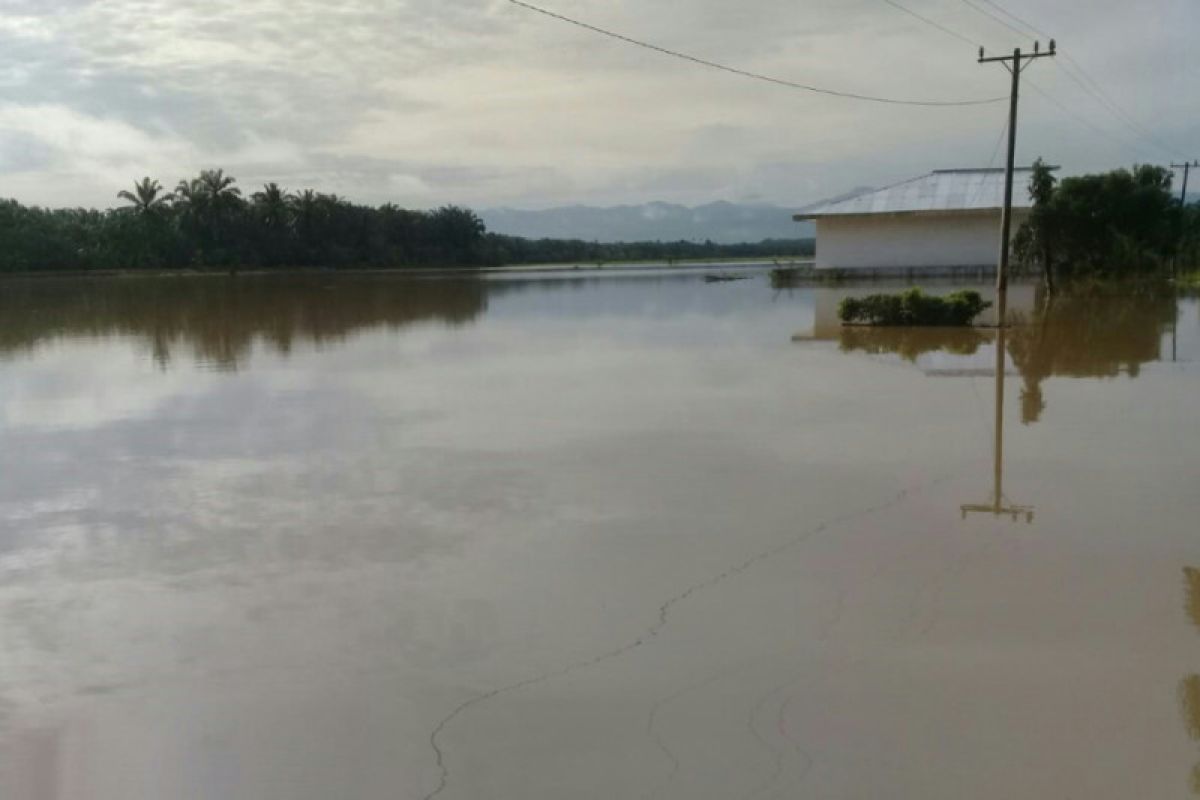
911 241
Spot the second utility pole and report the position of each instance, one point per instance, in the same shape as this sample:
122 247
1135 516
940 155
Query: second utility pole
1015 68
1186 167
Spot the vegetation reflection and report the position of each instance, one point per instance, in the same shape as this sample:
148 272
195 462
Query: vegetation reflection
911 343
1077 336
1088 336
1189 687
220 319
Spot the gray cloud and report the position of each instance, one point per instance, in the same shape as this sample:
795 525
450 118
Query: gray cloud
21 152
480 102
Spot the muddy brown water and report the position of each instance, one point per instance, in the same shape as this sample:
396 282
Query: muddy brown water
624 535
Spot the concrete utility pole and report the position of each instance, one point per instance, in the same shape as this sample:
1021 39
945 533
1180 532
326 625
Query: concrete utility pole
1186 167
1014 64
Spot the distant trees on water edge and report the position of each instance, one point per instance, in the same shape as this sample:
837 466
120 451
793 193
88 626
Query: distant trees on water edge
206 222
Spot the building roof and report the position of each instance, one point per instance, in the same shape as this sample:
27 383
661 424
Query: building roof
940 190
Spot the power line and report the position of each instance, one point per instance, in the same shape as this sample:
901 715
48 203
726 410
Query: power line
991 161
1051 98
1075 71
931 22
1109 105
999 141
1017 19
1045 94
992 16
754 75
1124 142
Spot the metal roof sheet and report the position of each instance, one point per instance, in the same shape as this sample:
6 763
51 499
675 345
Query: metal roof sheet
941 190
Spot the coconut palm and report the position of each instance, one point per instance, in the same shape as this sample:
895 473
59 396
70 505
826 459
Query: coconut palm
146 197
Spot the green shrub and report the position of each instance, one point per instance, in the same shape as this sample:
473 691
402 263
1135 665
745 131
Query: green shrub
913 307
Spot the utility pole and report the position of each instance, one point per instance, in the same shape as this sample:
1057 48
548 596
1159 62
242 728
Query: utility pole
1014 64
1186 167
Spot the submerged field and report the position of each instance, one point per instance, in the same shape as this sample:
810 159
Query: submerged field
627 535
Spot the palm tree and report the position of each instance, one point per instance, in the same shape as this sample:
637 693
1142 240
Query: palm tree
189 194
208 205
304 206
272 207
191 203
272 204
219 189
146 197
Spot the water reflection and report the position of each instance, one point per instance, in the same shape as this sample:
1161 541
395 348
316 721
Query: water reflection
279 583
219 319
1189 687
1080 336
1088 336
999 504
911 343
1191 586
1083 336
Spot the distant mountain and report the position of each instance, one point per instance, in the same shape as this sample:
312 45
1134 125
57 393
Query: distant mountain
721 222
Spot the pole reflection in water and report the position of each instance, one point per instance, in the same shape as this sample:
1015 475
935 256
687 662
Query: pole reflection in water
999 505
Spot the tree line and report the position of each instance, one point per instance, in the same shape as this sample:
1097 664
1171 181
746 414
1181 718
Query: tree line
1122 223
207 222
516 250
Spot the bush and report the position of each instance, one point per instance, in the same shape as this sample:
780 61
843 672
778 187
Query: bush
913 307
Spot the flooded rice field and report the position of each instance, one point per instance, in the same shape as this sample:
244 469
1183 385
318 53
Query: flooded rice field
629 535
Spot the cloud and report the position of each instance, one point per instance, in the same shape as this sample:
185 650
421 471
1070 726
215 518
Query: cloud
482 102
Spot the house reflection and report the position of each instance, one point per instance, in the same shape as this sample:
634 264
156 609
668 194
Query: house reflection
220 319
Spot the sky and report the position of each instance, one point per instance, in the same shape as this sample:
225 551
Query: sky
484 103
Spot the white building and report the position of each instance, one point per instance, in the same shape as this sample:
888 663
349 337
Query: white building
944 222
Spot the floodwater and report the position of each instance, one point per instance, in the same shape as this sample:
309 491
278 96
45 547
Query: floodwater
592 536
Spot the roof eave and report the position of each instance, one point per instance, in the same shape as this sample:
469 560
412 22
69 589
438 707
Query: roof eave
939 212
